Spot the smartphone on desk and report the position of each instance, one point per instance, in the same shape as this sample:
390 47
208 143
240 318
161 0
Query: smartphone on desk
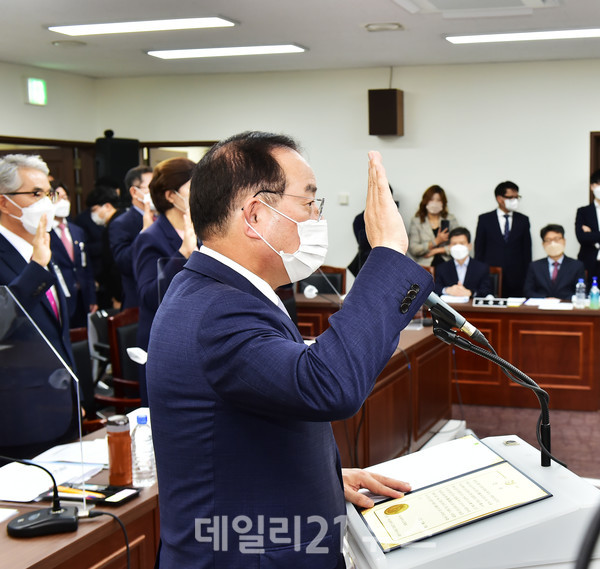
94 493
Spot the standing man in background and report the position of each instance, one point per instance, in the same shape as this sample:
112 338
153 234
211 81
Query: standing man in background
123 230
70 254
241 406
503 239
587 230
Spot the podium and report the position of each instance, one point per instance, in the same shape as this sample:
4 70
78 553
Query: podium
546 534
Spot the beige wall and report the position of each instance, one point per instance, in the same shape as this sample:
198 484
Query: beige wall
467 127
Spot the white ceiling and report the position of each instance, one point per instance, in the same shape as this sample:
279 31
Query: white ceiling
332 31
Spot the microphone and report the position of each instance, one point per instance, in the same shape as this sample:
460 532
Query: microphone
46 521
446 313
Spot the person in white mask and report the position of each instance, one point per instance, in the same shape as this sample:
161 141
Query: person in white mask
556 275
26 214
70 254
429 228
240 404
462 275
503 239
123 230
587 229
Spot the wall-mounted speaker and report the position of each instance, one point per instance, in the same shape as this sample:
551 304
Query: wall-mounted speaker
115 156
386 112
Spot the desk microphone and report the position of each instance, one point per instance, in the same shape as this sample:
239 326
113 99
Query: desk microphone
46 521
443 311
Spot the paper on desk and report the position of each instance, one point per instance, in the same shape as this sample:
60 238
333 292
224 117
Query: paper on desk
22 483
515 300
557 306
440 462
6 513
542 302
455 299
94 452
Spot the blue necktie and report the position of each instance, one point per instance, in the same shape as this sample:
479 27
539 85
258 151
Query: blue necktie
506 227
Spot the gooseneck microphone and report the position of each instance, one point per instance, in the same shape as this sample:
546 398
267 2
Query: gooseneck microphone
46 521
439 309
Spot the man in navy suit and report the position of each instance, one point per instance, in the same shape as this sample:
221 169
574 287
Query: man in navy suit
503 239
36 411
124 229
462 276
70 254
556 275
248 469
587 230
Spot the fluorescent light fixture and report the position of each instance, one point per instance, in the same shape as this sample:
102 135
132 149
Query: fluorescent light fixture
37 94
526 36
226 51
145 26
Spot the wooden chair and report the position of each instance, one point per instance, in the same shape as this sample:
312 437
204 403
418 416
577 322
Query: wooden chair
496 277
335 279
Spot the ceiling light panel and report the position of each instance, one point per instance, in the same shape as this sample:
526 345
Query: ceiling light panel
526 36
226 51
144 26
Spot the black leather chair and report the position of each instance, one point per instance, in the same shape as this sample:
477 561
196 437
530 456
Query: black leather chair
326 279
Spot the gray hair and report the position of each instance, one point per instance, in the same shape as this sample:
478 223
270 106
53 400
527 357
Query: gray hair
10 181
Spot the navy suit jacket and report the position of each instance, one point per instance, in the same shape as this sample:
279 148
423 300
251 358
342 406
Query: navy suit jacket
241 408
78 274
477 279
36 410
159 242
588 252
513 255
538 283
121 234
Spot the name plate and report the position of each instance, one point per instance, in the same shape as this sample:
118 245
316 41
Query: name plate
493 302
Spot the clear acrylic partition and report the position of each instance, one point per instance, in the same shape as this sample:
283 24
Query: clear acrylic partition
37 400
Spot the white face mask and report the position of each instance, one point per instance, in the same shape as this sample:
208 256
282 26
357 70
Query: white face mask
146 199
596 191
97 219
434 207
511 204
186 204
311 251
32 214
62 208
459 251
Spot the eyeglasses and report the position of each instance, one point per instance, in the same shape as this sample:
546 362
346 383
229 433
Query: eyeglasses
312 203
512 197
37 194
555 240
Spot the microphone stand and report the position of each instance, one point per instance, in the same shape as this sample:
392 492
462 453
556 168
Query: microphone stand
445 333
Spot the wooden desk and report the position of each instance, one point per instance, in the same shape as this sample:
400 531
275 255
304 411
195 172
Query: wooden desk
558 349
98 543
411 399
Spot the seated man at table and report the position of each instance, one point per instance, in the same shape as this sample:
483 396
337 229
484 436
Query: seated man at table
462 275
556 275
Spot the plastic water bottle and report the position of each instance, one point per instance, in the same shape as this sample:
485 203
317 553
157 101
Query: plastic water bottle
595 294
142 453
580 292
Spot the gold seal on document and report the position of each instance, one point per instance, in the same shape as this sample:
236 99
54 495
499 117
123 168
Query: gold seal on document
396 509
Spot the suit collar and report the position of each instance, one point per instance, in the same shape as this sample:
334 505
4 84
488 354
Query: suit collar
210 267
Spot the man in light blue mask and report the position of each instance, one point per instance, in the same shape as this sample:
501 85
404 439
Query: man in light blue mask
241 407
